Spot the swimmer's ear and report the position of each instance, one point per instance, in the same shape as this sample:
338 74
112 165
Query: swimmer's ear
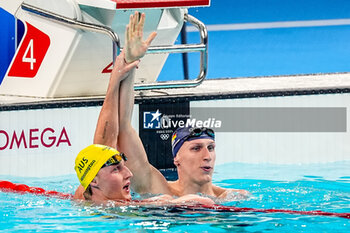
94 182
176 161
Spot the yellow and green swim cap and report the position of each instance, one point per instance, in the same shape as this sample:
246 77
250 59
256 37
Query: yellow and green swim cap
91 159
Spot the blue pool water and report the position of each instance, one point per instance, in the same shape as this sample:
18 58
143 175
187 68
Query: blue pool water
323 187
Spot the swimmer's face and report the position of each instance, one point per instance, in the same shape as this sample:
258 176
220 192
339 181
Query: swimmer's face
114 182
195 160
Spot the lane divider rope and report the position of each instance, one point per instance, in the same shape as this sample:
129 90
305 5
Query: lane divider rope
7 186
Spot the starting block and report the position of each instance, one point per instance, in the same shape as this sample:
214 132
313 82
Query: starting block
66 49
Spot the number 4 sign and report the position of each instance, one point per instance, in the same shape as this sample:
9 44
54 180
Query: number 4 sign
30 54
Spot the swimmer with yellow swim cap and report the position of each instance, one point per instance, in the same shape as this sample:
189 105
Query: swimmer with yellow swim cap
112 180
103 174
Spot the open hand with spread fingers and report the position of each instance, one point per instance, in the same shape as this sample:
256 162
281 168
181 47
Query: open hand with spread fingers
135 48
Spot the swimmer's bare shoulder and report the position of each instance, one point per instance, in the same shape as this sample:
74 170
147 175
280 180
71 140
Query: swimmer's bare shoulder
223 192
174 188
219 192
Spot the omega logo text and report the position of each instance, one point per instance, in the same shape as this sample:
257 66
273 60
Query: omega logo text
33 138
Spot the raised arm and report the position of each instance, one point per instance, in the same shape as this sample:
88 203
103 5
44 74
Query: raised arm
107 128
113 127
146 178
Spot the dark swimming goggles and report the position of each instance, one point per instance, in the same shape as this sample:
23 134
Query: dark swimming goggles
196 132
114 160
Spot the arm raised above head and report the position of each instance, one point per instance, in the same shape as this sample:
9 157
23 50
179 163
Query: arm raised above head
107 128
146 178
113 126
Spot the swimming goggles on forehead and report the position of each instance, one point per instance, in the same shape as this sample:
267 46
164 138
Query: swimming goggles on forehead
196 132
114 160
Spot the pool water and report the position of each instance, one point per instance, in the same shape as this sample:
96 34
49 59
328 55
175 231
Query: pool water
323 187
